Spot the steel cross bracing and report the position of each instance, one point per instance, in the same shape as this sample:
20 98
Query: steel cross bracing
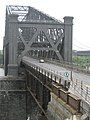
41 39
30 32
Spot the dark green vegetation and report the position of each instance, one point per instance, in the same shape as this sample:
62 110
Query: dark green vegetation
1 57
82 61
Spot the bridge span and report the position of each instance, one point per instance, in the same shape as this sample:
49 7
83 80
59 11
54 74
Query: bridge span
60 76
59 92
80 80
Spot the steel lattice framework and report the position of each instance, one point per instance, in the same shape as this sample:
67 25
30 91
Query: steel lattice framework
30 32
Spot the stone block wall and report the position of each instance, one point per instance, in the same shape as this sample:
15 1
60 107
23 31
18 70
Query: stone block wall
60 110
12 99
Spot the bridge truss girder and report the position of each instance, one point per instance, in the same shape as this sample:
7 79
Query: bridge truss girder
42 40
33 33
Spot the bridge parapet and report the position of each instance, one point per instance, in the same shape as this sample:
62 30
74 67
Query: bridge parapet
52 83
58 109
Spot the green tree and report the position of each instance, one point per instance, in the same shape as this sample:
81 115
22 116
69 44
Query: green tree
1 56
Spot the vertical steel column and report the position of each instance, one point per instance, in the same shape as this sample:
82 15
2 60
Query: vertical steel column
68 22
13 32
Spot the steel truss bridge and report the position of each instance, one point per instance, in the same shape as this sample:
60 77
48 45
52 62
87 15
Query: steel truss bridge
30 33
33 33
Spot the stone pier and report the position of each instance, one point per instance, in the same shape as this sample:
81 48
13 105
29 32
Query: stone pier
12 98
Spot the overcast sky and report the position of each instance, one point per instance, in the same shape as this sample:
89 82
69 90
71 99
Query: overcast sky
79 9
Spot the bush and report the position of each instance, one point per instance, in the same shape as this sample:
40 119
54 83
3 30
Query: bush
82 61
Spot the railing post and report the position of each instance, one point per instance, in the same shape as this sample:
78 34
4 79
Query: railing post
81 87
86 93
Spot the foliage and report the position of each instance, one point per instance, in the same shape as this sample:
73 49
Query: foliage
82 61
1 56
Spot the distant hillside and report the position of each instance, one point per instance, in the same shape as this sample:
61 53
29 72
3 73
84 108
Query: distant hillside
81 53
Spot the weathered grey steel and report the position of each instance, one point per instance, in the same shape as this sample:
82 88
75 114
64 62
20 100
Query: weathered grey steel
30 32
13 32
68 21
